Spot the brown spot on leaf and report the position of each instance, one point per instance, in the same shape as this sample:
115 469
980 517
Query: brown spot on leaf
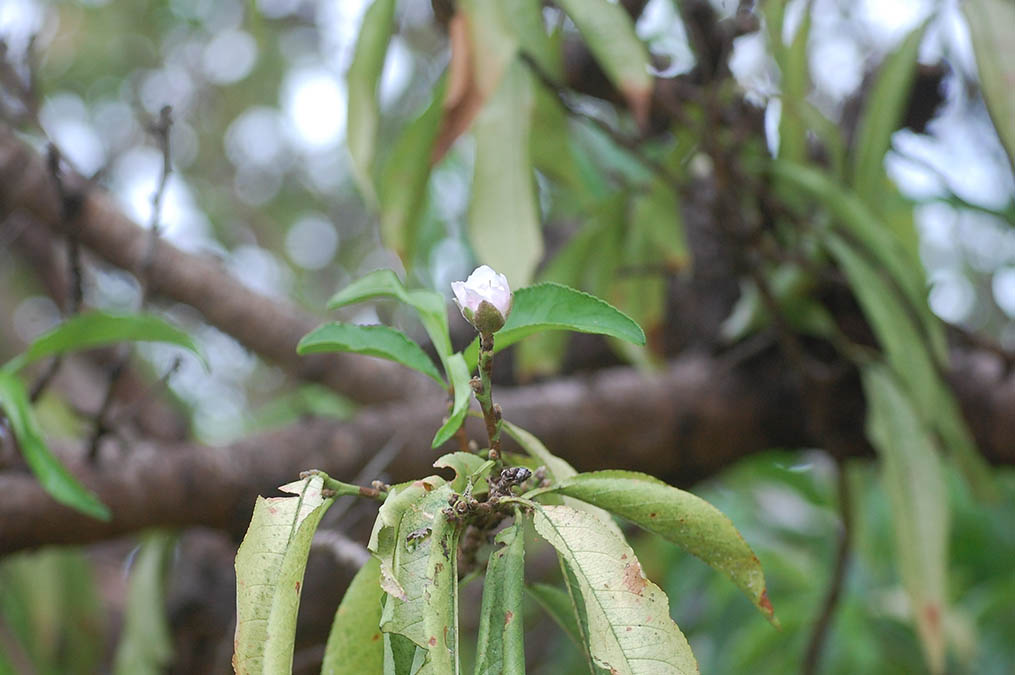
376 637
932 615
765 603
297 587
652 515
634 580
623 557
507 618
432 641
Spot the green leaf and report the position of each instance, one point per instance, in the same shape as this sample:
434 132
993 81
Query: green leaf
579 612
557 603
856 218
380 341
795 88
629 622
146 645
52 474
401 656
404 175
914 481
657 212
609 32
678 516
269 576
459 376
503 218
354 644
908 356
465 464
886 104
550 306
95 329
500 647
417 548
990 23
526 21
552 149
383 283
54 622
362 80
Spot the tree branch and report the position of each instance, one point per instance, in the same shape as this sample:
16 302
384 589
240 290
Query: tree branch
269 327
685 424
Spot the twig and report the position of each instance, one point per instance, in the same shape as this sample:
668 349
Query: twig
377 465
160 129
812 655
161 132
69 203
102 427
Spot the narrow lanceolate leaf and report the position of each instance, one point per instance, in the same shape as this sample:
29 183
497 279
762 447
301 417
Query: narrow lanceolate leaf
380 341
404 175
52 474
629 624
500 648
383 283
550 306
418 547
504 227
909 358
361 80
915 485
355 644
990 23
458 373
96 329
796 84
885 106
609 32
269 576
556 602
681 517
146 645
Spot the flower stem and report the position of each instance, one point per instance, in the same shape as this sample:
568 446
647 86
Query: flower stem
484 394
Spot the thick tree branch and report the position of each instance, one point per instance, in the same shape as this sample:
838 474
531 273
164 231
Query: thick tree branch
687 423
269 327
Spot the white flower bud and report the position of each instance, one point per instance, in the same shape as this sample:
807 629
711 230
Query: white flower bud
484 298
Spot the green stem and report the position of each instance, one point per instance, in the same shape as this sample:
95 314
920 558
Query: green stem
484 394
337 488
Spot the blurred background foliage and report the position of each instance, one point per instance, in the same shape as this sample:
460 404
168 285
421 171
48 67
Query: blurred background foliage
262 180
